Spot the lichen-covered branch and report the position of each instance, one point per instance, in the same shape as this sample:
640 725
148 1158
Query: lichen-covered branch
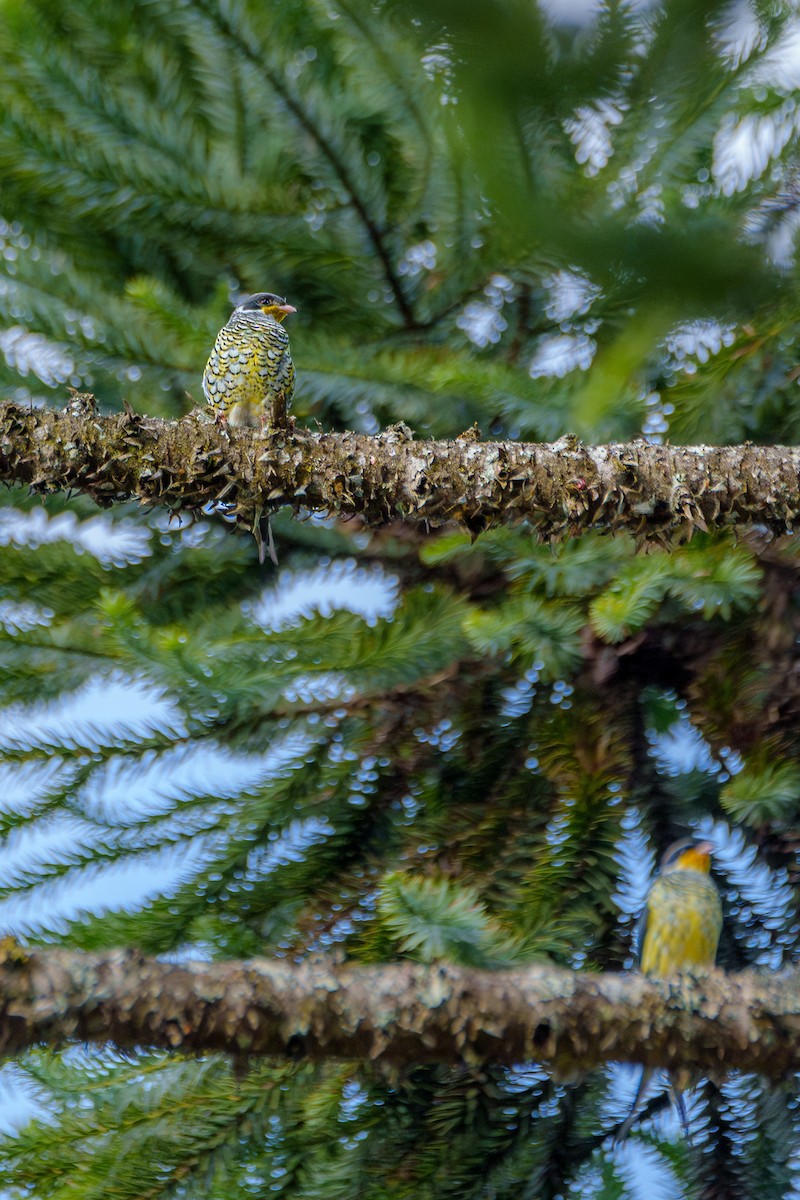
561 489
400 1014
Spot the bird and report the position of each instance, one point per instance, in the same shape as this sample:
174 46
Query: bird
678 931
249 376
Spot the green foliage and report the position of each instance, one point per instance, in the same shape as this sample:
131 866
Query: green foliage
436 920
536 631
711 577
763 792
179 1117
456 749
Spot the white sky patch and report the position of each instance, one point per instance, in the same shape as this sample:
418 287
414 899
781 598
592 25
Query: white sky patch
18 1105
699 340
768 903
134 794
683 748
570 295
32 353
557 356
289 846
24 784
583 12
499 289
650 202
571 12
643 1169
418 258
316 689
126 884
743 149
101 712
637 865
131 789
482 323
739 33
775 228
655 423
482 320
590 133
31 846
437 58
781 66
193 532
368 591
116 543
22 618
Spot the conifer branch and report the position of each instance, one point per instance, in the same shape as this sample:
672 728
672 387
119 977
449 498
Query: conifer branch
375 234
400 1014
563 489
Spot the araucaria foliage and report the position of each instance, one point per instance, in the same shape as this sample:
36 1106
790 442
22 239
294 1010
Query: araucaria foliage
399 743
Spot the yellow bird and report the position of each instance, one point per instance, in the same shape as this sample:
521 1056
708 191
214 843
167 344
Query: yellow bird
249 376
678 931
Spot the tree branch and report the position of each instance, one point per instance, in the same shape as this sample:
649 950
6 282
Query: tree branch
399 1014
562 489
376 235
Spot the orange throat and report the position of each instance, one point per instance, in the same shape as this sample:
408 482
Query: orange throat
697 858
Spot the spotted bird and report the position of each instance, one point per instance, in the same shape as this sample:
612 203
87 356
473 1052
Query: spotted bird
678 931
249 376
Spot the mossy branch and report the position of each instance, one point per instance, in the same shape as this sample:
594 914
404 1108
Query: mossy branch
399 1014
563 489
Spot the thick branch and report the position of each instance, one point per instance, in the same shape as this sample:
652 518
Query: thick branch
400 1014
562 489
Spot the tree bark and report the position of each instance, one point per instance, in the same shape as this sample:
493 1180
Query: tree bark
400 1014
564 489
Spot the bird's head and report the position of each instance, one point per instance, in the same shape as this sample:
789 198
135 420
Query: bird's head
689 854
268 303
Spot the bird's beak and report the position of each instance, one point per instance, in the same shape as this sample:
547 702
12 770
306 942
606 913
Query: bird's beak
286 309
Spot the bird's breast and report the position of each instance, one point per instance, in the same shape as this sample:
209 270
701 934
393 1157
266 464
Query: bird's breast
684 917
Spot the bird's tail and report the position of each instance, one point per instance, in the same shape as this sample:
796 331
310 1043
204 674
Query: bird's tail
627 1124
676 1096
263 525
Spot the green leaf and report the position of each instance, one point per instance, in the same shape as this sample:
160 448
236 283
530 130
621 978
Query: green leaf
632 598
532 631
438 920
710 575
763 792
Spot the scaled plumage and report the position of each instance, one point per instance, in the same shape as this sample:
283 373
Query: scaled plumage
678 931
249 376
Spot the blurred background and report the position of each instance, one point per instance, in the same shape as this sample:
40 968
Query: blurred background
563 217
